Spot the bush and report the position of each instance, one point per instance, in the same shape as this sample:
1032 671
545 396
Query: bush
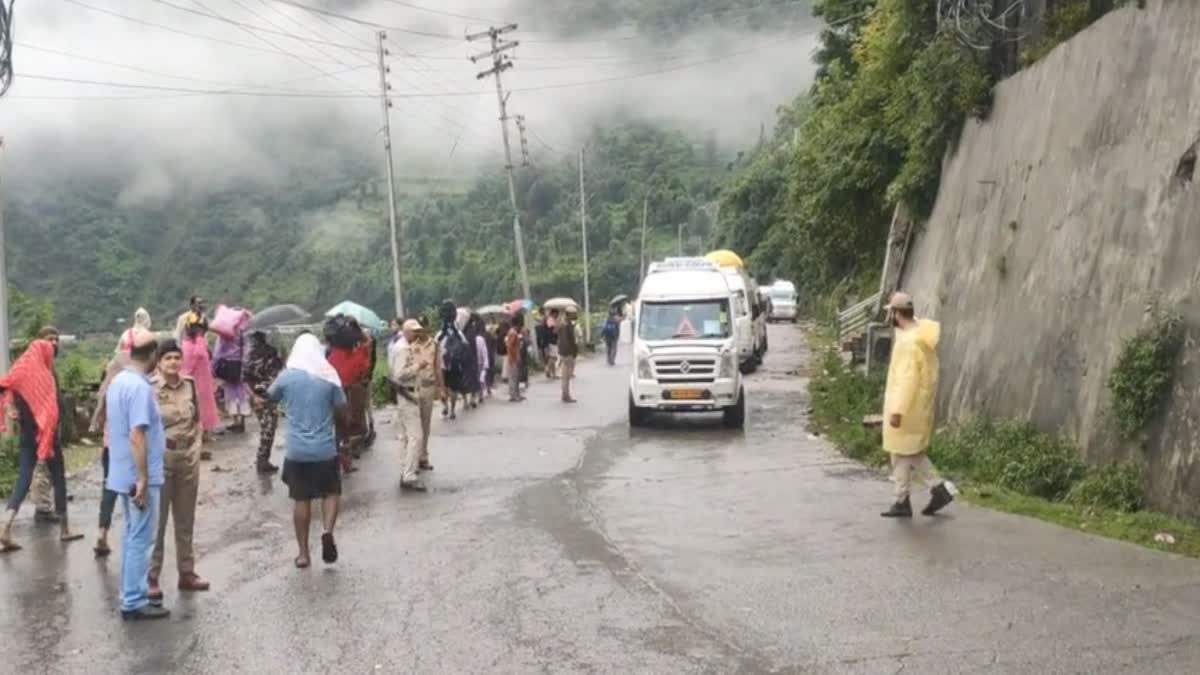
8 463
1012 455
1117 487
1145 369
381 389
841 397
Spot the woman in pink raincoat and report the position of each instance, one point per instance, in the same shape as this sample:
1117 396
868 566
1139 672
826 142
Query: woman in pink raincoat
197 364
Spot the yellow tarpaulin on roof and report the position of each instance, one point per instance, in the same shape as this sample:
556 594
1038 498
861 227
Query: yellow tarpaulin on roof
725 258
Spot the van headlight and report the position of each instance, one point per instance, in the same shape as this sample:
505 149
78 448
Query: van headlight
728 363
644 370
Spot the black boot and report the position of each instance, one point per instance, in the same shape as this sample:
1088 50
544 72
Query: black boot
940 498
901 509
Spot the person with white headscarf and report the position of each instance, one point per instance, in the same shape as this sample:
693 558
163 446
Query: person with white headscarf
311 391
141 322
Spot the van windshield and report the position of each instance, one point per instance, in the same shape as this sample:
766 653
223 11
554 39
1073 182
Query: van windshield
782 294
693 320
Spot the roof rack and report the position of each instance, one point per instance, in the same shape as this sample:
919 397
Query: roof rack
677 264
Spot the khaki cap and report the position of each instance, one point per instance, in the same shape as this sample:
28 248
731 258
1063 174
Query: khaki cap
413 325
900 300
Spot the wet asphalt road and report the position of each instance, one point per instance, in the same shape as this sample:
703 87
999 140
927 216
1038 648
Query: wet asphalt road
555 541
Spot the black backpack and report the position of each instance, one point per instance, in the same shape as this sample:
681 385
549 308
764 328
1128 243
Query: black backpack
457 357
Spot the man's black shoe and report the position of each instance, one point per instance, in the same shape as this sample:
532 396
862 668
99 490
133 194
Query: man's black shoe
147 613
940 498
266 468
901 509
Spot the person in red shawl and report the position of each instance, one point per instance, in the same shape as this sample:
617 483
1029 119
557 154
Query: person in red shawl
353 366
30 387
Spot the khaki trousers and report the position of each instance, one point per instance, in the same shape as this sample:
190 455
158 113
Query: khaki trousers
180 490
414 420
907 469
568 372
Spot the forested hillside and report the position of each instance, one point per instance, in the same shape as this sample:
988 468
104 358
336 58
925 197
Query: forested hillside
895 83
322 237
666 17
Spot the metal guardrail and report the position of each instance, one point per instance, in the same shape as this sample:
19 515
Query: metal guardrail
854 319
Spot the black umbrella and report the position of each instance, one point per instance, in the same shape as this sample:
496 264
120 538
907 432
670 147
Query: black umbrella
277 315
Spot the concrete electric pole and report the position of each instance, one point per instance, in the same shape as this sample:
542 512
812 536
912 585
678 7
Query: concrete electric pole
587 302
4 354
501 63
524 140
642 266
386 103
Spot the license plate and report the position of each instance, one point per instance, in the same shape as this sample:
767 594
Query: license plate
686 394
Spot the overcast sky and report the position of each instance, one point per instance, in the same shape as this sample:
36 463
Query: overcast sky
316 98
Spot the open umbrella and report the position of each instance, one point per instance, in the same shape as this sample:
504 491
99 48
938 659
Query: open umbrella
618 300
276 315
365 317
491 310
561 304
518 305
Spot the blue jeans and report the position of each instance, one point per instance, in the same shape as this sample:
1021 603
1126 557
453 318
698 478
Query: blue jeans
137 546
27 463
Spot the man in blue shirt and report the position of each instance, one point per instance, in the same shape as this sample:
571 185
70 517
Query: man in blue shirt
137 446
311 391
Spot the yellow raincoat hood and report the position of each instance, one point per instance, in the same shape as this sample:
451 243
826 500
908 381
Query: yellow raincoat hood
912 389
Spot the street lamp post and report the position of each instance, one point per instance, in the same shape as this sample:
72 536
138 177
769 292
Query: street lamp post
679 237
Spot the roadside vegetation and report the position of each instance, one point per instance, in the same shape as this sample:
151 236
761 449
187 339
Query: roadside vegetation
1007 466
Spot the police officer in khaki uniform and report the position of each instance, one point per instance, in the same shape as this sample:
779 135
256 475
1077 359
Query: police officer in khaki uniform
181 418
418 380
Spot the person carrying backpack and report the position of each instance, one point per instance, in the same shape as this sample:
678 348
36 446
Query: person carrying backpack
611 332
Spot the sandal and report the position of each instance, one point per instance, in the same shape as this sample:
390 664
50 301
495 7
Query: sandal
72 536
8 546
302 563
102 550
329 552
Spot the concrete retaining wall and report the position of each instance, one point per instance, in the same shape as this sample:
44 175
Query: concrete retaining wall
1059 219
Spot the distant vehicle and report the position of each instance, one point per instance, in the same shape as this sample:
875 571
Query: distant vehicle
749 316
782 301
685 344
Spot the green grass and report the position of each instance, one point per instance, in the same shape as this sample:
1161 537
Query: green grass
1007 466
1138 527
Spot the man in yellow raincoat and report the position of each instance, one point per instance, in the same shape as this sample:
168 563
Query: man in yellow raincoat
908 407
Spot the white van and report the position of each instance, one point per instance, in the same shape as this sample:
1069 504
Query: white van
749 318
685 344
783 301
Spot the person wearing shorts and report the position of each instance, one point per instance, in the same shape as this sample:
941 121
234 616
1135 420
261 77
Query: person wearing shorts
311 391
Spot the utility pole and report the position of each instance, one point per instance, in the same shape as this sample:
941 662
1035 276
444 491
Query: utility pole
587 302
501 63
524 140
642 266
385 103
4 354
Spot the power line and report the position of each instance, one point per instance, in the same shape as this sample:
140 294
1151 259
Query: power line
210 14
446 94
186 90
171 29
364 22
175 76
440 12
